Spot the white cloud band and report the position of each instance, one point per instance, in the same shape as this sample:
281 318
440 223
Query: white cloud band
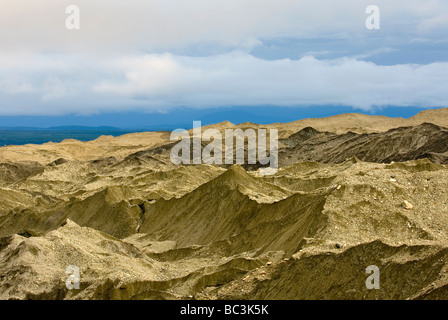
155 82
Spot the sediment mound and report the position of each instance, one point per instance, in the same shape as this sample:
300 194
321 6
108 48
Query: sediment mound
139 227
400 144
237 235
407 272
12 172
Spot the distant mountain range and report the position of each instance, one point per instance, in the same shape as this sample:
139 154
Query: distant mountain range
33 135
183 117
63 128
341 123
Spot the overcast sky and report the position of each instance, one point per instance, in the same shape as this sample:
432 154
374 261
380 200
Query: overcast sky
157 55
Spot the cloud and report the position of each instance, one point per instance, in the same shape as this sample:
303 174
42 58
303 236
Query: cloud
436 22
176 24
241 79
158 55
155 82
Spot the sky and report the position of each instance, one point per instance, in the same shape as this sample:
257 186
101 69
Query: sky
165 59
